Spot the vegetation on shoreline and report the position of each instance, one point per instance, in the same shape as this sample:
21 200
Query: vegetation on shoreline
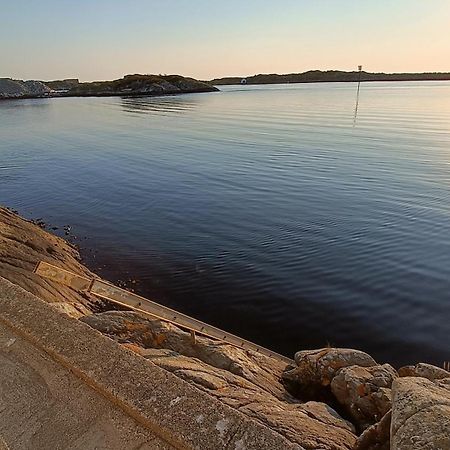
317 76
141 84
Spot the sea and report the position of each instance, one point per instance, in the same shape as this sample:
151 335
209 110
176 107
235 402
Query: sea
277 212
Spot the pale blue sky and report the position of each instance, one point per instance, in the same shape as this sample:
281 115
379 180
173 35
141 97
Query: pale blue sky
105 39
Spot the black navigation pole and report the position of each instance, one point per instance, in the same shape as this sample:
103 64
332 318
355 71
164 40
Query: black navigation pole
357 94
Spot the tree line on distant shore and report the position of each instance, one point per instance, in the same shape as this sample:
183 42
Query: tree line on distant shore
317 76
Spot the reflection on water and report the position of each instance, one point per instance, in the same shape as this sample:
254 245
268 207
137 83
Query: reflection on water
158 105
16 105
260 209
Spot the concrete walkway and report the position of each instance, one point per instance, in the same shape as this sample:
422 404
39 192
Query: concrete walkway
43 405
64 385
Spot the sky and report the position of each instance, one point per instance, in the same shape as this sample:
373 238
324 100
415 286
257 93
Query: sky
106 39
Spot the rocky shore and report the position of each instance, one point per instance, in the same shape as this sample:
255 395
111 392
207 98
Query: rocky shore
329 399
129 85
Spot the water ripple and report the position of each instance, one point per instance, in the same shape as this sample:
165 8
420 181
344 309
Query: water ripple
260 209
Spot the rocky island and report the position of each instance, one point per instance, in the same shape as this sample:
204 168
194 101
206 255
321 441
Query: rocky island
327 399
330 76
129 85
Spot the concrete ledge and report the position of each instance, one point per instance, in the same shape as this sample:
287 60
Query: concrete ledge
45 406
171 409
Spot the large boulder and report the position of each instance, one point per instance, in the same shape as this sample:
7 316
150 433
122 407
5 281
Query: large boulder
364 392
320 366
420 414
315 369
425 371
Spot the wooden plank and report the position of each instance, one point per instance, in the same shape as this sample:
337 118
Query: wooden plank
112 293
62 276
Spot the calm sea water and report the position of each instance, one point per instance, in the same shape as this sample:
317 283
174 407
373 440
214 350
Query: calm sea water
265 210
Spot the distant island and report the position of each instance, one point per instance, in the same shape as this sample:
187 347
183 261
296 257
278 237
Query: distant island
130 85
147 85
319 76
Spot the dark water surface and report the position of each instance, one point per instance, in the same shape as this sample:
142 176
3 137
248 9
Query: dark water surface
260 209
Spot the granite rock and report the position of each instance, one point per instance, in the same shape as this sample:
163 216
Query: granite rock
377 436
364 392
246 381
425 371
318 367
420 415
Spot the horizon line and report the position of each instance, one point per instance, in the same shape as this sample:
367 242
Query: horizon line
230 76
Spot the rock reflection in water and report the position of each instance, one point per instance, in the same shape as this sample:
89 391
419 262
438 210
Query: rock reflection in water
158 105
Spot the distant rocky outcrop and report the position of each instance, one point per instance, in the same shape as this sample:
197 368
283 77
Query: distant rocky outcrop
130 85
318 76
141 85
10 88
62 85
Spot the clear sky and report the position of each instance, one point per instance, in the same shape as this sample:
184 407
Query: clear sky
105 39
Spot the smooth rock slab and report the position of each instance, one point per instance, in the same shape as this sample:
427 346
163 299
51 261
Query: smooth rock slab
247 382
23 244
147 333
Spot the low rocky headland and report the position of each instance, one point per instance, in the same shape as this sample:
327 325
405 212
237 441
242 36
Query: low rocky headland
331 76
129 85
327 399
